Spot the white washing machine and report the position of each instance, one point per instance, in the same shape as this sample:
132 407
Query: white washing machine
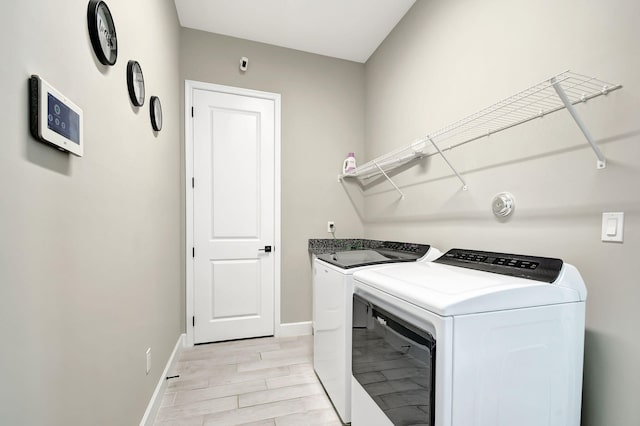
332 302
471 339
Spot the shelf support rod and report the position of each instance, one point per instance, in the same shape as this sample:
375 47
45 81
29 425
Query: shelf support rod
389 179
464 184
602 161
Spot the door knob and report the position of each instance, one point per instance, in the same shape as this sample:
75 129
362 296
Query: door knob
266 249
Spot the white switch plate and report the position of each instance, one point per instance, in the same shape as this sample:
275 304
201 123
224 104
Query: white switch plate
613 226
148 360
331 227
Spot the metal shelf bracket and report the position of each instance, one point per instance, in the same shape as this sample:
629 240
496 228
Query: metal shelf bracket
601 163
389 179
444 157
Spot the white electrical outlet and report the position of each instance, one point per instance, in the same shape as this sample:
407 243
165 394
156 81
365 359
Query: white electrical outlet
148 360
331 227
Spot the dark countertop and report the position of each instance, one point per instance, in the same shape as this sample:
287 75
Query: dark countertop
330 245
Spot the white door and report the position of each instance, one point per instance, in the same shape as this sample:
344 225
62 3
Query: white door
233 215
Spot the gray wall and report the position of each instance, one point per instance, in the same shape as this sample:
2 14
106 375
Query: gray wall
446 60
322 120
90 256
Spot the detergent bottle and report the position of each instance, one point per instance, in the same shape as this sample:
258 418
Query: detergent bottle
349 164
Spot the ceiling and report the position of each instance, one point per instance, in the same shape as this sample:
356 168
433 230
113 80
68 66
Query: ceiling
345 29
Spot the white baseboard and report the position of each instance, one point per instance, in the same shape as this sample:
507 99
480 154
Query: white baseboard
295 329
156 399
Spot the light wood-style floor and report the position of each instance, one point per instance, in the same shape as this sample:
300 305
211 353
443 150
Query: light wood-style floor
266 381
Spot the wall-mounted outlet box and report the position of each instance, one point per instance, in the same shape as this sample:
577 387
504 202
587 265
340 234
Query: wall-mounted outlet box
331 227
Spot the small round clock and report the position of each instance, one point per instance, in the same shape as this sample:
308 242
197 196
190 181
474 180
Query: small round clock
156 113
135 83
102 32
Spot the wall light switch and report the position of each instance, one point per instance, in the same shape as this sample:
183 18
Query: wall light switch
613 226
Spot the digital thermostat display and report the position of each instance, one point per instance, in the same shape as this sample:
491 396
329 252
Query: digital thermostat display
54 119
62 120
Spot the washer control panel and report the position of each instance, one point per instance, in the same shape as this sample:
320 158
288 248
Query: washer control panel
516 265
419 249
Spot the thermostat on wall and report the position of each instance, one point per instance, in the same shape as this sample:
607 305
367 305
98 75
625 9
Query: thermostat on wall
54 119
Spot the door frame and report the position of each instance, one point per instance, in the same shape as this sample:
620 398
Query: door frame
189 87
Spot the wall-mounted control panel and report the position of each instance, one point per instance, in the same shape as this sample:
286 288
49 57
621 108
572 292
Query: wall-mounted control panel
53 118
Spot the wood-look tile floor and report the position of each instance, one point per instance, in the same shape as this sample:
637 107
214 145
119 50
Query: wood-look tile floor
266 381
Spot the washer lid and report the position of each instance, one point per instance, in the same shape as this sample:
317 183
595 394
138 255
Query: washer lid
353 258
450 290
387 252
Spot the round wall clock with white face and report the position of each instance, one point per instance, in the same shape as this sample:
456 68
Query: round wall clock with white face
135 83
102 32
156 113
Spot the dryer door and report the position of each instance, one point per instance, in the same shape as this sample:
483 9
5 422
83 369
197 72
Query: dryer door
394 362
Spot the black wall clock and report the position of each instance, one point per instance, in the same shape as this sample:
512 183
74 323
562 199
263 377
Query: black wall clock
135 83
102 32
156 113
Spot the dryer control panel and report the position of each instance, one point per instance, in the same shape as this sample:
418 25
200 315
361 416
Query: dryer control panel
536 268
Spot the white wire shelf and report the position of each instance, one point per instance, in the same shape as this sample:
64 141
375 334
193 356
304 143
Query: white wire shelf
561 91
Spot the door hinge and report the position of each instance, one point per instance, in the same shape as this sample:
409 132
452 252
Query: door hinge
193 252
193 321
191 111
193 182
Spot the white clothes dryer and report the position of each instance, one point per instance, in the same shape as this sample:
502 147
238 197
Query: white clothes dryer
471 339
